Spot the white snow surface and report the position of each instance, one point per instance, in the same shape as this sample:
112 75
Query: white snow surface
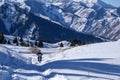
100 61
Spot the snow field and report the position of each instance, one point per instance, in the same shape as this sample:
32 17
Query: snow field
99 61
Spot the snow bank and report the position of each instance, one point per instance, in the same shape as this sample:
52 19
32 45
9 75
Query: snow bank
58 77
99 50
10 60
99 61
4 75
47 72
8 57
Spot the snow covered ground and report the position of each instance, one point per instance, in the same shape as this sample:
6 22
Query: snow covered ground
99 61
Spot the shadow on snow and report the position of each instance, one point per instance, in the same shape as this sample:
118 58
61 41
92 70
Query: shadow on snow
83 65
75 64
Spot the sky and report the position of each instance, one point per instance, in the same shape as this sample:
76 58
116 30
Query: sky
115 3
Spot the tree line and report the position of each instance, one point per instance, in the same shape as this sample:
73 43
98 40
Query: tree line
19 41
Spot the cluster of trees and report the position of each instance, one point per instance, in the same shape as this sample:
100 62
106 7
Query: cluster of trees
27 43
39 43
3 40
20 41
76 42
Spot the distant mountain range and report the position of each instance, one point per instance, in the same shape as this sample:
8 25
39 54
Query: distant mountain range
56 20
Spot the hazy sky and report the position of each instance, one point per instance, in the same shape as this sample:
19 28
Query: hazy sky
113 2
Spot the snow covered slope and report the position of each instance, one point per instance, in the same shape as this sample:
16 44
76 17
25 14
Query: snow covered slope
90 62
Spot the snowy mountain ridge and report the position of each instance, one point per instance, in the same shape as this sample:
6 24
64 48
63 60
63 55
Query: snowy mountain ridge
17 19
92 17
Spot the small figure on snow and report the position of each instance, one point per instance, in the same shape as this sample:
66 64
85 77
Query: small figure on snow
39 54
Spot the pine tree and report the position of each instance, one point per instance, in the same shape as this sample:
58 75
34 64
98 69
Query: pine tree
72 43
76 42
27 43
61 44
79 42
4 41
40 44
2 38
22 42
15 41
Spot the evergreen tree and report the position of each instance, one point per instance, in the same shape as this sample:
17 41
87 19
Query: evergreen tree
22 42
72 43
40 44
79 42
2 38
27 43
76 42
21 39
4 41
15 41
61 44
